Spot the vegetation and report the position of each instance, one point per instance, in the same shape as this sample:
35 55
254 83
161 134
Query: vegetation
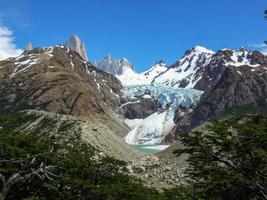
242 110
228 160
34 168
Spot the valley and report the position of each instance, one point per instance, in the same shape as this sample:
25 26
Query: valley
151 130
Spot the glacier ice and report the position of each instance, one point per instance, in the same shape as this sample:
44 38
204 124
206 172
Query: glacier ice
152 129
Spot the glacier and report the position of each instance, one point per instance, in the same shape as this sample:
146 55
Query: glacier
152 129
166 83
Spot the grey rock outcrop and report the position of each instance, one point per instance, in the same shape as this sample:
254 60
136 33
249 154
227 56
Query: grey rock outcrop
76 45
28 47
141 107
114 66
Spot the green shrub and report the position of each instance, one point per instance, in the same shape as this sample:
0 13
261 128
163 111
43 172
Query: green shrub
228 160
37 169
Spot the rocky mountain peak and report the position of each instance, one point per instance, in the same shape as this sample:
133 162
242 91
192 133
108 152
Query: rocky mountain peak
161 63
75 44
108 58
124 62
158 68
28 47
198 50
115 66
238 58
58 80
202 49
187 71
194 58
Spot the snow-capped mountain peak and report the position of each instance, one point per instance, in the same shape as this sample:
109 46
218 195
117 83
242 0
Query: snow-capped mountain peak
202 49
187 71
155 70
158 67
196 54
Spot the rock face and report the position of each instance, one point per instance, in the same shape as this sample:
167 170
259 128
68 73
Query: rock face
114 66
142 107
58 80
124 71
76 45
232 78
28 47
182 111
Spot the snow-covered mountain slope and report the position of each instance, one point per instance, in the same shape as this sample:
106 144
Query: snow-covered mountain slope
125 72
187 71
130 77
152 129
154 71
238 58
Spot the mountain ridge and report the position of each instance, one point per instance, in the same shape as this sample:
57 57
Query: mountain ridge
212 72
226 82
59 80
63 82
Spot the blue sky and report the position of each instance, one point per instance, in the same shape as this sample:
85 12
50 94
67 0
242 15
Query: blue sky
143 31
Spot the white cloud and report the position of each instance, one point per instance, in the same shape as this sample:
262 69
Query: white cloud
262 47
7 46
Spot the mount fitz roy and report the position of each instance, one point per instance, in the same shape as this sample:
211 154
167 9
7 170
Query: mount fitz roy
151 107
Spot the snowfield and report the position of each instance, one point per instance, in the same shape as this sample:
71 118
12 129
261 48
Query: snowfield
129 77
